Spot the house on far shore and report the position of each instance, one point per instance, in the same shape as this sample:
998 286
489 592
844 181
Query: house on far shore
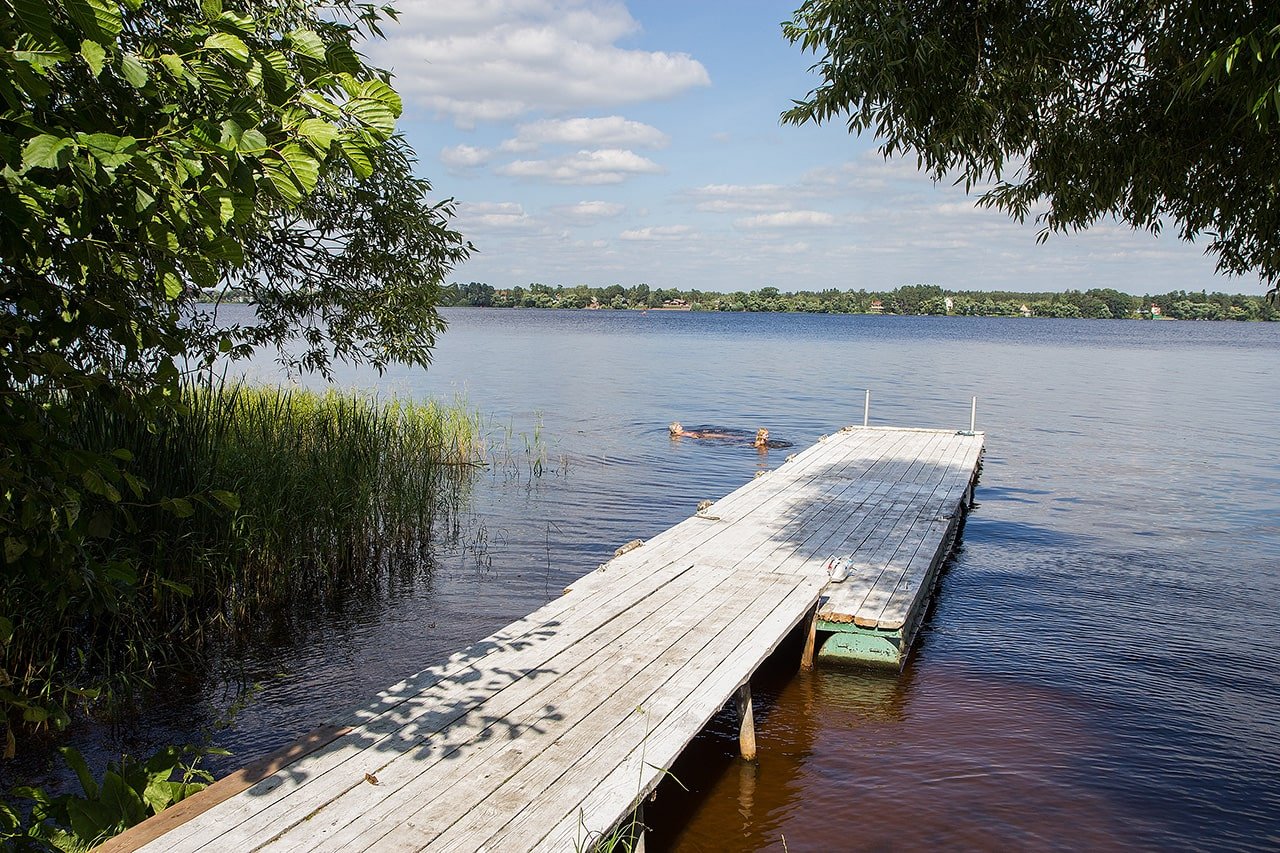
950 303
1025 310
1155 311
675 305
876 307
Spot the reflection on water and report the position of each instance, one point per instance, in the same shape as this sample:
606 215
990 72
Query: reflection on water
1100 669
988 765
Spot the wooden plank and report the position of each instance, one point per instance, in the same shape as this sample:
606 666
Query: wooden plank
632 764
845 599
841 529
933 548
458 814
223 789
758 498
475 748
420 716
916 503
894 592
823 510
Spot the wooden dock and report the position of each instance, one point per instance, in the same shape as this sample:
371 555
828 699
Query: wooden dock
549 734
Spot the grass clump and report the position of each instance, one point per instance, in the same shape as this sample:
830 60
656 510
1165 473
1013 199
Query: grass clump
240 502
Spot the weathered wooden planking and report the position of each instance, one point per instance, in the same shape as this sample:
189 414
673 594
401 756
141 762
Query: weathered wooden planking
912 518
548 733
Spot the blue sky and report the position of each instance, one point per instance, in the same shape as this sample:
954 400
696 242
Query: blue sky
596 142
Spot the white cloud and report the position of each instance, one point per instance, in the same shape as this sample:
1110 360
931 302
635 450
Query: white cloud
589 211
489 60
789 219
506 215
603 166
736 198
611 131
465 156
660 232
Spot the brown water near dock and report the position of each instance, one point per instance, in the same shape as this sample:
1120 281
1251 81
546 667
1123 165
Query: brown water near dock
923 761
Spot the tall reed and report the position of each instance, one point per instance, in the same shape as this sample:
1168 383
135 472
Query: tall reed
248 500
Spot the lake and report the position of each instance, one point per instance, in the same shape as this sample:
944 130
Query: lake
1102 665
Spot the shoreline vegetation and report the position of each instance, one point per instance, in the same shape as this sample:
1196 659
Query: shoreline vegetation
906 300
915 299
239 501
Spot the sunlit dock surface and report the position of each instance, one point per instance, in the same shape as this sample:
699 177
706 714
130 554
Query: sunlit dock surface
550 734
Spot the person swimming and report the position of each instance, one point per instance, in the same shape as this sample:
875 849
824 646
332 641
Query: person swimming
678 431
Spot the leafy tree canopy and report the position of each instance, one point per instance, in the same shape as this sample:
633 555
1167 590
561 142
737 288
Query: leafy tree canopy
152 147
1147 112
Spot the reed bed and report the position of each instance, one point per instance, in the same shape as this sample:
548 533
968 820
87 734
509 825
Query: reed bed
253 500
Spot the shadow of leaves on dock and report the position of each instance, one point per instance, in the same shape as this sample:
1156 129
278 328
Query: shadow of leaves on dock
444 713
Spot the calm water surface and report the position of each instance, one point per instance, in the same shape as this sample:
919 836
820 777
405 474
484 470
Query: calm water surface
1101 669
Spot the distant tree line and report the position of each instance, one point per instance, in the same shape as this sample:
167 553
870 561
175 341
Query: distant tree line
1097 303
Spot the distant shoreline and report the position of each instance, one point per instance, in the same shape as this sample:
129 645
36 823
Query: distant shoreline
909 300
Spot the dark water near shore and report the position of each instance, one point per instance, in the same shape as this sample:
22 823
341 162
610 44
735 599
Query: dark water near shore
1102 667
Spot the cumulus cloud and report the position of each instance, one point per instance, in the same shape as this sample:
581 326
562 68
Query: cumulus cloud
789 219
603 166
465 156
491 60
589 211
505 215
610 131
660 232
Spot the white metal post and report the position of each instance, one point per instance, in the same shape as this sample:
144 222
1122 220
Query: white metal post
866 408
973 415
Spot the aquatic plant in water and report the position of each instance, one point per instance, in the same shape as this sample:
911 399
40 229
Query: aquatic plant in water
241 501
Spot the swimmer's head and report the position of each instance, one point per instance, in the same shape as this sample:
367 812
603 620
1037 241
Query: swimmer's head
675 428
762 438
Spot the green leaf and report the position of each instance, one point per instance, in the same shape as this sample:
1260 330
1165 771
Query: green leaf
172 285
228 499
181 507
243 23
46 152
78 765
34 16
357 155
211 8
108 149
91 819
320 104
252 142
94 54
294 174
174 65
379 91
40 55
100 19
307 43
179 588
230 135
6 627
319 133
133 70
13 548
122 800
375 115
229 44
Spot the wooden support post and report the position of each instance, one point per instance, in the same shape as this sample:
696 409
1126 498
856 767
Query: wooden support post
746 723
810 639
